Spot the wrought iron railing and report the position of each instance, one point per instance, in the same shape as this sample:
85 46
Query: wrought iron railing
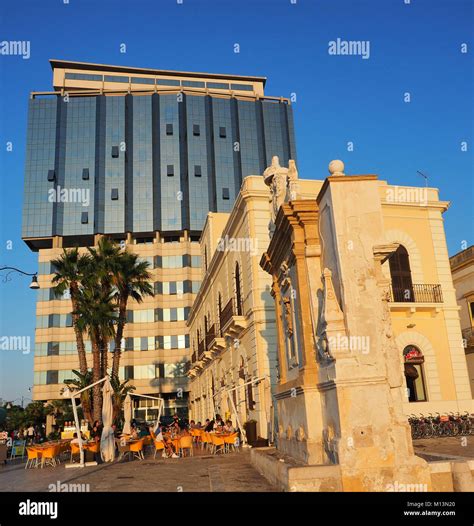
417 293
210 335
200 349
227 313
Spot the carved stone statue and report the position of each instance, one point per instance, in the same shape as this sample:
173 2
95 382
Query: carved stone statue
283 186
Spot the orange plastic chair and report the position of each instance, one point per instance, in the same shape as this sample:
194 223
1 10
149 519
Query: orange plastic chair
186 443
230 441
207 438
196 434
94 448
137 449
34 456
57 453
48 456
218 443
159 445
75 450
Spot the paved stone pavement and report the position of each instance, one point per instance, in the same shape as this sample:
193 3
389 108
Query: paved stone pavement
202 473
445 447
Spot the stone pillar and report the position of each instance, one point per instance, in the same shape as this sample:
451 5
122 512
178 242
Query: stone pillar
374 443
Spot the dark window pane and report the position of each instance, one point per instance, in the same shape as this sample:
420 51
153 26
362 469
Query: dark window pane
169 129
193 83
51 175
197 170
83 76
51 377
85 174
217 85
167 82
111 78
242 87
115 194
142 80
115 151
85 218
225 193
222 132
196 129
170 170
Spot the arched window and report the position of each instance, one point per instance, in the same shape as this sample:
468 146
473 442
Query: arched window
413 361
400 273
238 291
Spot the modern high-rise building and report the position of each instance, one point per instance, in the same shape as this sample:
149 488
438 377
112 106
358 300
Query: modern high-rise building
140 155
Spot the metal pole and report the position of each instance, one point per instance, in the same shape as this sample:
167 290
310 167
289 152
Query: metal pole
241 427
78 430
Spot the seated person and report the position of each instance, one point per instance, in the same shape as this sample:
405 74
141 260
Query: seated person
229 428
134 434
75 440
96 431
218 424
143 432
168 451
209 425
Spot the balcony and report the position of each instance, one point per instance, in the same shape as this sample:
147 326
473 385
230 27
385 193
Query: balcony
419 293
420 297
201 349
215 343
231 324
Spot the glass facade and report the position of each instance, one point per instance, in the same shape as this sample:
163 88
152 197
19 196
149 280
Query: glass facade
144 163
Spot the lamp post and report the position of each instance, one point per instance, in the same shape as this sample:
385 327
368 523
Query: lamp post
11 403
34 279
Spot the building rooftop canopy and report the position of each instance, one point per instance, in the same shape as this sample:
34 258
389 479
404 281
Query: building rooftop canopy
67 64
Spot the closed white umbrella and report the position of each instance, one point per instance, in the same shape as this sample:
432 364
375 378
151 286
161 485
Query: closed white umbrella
127 413
107 442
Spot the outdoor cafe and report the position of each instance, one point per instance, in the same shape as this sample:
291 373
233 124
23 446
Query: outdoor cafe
78 448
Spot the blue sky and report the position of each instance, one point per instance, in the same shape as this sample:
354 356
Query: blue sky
414 48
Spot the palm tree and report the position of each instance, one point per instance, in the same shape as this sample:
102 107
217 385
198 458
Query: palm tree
96 316
131 279
121 389
70 270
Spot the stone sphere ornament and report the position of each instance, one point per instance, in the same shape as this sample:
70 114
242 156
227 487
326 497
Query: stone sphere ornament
336 167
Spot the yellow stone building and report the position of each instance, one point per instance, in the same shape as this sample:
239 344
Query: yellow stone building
462 268
232 322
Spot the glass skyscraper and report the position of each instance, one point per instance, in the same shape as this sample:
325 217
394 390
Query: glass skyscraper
142 156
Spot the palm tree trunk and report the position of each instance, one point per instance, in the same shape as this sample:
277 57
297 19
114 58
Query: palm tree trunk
104 344
118 337
81 350
86 408
96 376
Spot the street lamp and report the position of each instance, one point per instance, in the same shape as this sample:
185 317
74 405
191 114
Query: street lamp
34 280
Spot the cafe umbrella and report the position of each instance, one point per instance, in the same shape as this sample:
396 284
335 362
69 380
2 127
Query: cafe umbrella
127 413
107 442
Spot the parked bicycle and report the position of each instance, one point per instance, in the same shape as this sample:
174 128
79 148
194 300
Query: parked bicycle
441 425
